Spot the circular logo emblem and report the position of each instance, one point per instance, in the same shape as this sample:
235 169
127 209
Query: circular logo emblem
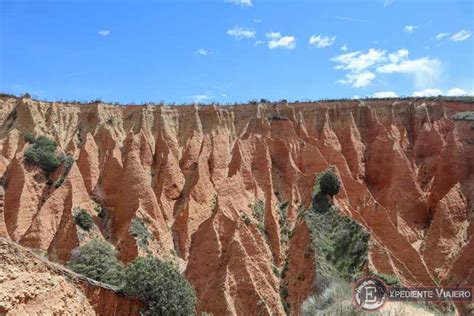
370 293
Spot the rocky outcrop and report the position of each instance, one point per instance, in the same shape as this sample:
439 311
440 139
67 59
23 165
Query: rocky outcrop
31 285
194 175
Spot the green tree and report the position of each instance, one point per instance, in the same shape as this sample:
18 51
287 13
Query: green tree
97 260
329 183
159 285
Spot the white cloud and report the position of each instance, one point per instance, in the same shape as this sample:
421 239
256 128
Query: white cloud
386 3
257 20
273 35
243 3
460 36
357 61
362 66
398 55
344 48
344 18
424 70
201 51
427 93
198 98
384 94
357 64
241 32
278 41
358 79
259 43
440 36
410 28
104 32
457 92
322 41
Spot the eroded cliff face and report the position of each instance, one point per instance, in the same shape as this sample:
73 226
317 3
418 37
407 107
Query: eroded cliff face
31 285
210 184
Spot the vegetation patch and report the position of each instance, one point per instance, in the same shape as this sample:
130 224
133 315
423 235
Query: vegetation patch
97 260
83 219
285 230
258 211
340 246
68 161
340 243
140 232
42 153
335 299
160 286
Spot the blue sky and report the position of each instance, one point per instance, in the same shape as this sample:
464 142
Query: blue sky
235 50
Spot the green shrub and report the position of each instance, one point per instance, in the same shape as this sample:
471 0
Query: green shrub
97 260
68 161
283 221
160 286
42 152
59 182
258 210
84 219
340 243
139 231
329 183
29 138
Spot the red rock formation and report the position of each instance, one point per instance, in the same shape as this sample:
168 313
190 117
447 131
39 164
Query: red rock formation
191 174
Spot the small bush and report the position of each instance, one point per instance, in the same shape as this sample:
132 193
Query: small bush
97 260
139 231
68 161
160 286
59 182
42 152
329 183
83 219
29 138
